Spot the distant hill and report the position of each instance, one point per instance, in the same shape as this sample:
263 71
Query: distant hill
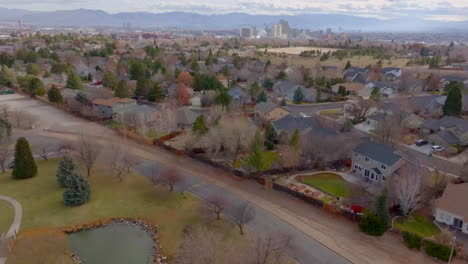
184 20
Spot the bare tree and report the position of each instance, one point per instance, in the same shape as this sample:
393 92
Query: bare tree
121 162
65 148
170 177
6 152
242 214
360 109
389 128
271 248
409 190
88 151
44 152
216 204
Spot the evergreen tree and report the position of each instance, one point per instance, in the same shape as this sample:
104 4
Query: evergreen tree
381 207
298 96
74 81
25 165
224 99
79 190
122 90
254 89
54 95
64 171
271 134
375 94
142 87
33 69
319 94
342 90
281 75
348 65
199 127
109 80
36 87
283 102
6 76
453 103
294 142
371 224
262 97
155 93
256 158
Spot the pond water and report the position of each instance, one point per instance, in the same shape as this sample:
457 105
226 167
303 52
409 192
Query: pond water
115 243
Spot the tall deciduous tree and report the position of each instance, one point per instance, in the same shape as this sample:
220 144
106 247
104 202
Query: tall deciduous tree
453 103
216 204
183 96
360 109
242 214
409 189
6 76
87 152
25 165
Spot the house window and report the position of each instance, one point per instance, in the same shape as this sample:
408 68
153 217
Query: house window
355 154
384 178
372 176
366 173
457 223
366 159
383 167
356 167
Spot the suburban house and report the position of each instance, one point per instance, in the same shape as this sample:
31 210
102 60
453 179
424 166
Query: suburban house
355 74
388 109
223 80
172 90
108 107
391 73
304 125
186 117
449 132
356 89
270 111
386 88
452 208
239 96
283 88
310 94
447 79
375 162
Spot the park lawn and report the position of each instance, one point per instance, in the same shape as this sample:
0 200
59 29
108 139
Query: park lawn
329 183
41 199
417 224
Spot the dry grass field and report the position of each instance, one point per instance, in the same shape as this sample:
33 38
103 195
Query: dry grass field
298 50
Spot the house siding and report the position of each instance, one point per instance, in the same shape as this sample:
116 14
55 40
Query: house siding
447 218
360 161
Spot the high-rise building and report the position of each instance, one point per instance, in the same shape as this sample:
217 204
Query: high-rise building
277 31
248 32
285 27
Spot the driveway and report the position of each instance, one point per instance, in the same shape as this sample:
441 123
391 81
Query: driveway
6 238
426 149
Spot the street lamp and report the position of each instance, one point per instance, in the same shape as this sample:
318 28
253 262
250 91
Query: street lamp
451 251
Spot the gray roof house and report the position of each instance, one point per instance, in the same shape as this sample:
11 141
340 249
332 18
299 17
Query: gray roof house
355 74
391 73
386 88
448 132
375 162
282 88
447 79
239 96
310 94
305 125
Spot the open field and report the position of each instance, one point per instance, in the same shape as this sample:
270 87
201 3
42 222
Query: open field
358 61
41 199
328 182
298 50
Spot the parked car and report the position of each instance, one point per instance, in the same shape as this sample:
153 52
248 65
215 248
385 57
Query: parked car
437 148
421 142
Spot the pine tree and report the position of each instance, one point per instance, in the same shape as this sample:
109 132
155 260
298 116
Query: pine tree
64 171
342 90
199 126
298 96
109 80
79 191
74 81
256 158
283 102
54 95
381 207
155 93
375 94
271 134
262 97
122 90
348 65
453 103
294 142
25 165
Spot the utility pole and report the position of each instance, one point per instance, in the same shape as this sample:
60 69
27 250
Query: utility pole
451 251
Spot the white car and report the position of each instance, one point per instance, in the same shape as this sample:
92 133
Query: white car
437 148
304 115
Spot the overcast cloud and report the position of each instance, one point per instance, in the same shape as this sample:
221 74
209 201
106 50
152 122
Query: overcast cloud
442 10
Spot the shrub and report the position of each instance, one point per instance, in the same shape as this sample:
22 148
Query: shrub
372 225
439 251
270 145
412 240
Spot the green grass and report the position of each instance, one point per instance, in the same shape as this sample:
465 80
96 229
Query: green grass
332 112
417 224
270 158
329 183
42 203
113 124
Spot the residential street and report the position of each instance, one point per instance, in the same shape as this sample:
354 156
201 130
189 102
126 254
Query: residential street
318 236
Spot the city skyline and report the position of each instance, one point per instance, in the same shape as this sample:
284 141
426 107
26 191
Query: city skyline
435 10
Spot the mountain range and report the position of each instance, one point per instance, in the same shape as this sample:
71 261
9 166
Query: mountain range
194 21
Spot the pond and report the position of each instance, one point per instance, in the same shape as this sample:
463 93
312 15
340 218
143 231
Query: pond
115 243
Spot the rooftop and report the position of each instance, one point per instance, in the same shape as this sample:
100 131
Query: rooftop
454 200
379 152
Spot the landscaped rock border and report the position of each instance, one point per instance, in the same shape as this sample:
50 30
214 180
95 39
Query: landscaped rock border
145 224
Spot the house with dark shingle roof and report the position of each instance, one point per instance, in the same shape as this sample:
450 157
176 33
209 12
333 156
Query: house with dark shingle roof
449 132
452 208
447 79
304 125
375 162
355 74
391 73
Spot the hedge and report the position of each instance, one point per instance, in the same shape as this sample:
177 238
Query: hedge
439 251
372 225
412 240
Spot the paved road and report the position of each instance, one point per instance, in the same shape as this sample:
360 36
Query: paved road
11 233
304 249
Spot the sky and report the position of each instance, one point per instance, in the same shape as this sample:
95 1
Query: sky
439 10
